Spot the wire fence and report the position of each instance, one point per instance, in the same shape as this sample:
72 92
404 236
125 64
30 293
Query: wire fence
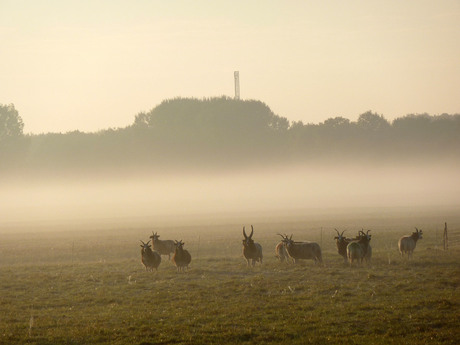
448 238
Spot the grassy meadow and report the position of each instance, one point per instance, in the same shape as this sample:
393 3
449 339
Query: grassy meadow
86 285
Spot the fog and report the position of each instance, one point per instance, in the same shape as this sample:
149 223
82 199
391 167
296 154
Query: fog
241 195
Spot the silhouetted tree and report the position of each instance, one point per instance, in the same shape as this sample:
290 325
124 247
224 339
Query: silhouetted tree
13 144
337 122
223 133
370 121
11 124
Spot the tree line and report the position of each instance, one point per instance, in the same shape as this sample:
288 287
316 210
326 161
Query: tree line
224 133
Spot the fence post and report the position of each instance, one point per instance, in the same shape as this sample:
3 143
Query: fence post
446 243
198 250
436 245
321 237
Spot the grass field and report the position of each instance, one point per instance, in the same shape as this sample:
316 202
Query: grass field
86 285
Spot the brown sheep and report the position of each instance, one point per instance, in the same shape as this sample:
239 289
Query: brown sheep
358 250
342 242
164 247
251 251
150 258
303 250
181 257
407 243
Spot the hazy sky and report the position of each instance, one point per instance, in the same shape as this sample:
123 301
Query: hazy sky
91 65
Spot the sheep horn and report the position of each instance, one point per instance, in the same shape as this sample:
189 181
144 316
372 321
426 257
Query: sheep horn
244 233
252 231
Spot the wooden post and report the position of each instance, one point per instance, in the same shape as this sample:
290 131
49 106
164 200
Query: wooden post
321 238
446 243
198 250
436 245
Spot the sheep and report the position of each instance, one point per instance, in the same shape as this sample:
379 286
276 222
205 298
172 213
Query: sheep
150 258
251 250
407 243
280 251
181 257
302 250
368 255
358 250
342 243
164 247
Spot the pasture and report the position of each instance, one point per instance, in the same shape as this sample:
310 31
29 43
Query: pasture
86 285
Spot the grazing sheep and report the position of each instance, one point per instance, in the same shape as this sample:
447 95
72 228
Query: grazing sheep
358 250
407 243
164 247
251 250
150 258
302 250
181 257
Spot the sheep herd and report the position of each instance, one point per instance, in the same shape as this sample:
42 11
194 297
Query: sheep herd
151 259
357 249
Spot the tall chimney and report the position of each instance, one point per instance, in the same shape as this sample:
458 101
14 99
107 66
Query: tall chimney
237 84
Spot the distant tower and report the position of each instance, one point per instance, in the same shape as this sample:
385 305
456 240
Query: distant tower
237 84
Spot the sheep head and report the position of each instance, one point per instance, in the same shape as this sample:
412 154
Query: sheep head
339 236
145 245
419 233
248 239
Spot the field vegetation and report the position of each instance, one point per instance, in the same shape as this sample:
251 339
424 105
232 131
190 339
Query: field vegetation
86 285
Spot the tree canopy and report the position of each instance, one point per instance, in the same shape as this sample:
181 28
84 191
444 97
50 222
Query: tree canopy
13 144
222 133
11 125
